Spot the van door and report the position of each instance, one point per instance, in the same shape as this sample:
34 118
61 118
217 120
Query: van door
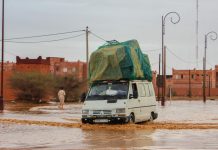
133 103
143 97
150 99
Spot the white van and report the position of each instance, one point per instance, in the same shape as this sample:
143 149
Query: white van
120 101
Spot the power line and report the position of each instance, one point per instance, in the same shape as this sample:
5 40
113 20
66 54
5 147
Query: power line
98 36
46 41
181 59
43 35
152 50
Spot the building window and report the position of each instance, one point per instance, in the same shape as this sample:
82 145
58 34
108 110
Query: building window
65 69
181 76
177 76
73 69
57 69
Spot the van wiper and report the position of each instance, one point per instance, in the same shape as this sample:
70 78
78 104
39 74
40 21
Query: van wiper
111 100
93 97
104 97
121 96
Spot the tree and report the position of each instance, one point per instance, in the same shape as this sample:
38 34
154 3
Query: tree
31 86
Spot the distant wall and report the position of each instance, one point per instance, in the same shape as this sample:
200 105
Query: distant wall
183 92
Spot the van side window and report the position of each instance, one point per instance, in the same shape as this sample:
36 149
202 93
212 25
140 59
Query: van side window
141 90
151 89
147 90
134 89
130 90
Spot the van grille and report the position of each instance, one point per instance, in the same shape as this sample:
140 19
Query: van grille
103 112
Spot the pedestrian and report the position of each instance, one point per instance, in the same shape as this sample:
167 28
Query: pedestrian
61 97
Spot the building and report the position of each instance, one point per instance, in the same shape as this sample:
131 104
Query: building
190 82
50 65
77 69
9 68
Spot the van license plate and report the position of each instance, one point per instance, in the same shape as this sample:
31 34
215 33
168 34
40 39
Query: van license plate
101 120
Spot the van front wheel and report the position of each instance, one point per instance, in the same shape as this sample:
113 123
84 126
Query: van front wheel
131 119
153 116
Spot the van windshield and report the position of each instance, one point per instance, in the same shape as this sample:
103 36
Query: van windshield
114 90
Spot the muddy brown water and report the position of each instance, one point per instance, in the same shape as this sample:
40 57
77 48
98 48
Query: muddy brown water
181 125
15 136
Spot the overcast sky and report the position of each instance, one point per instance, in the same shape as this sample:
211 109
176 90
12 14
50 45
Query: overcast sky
111 19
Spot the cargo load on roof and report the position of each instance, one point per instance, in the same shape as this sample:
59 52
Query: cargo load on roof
116 61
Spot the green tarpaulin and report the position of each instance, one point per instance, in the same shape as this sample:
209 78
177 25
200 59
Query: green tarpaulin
117 61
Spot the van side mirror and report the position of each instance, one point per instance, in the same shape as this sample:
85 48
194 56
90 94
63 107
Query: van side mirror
134 95
130 96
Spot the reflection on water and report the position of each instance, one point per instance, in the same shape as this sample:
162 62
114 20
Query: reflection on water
185 139
39 137
118 139
189 111
23 136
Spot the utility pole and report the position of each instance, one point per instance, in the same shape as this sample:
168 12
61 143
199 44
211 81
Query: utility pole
163 53
209 85
162 93
158 85
204 74
2 63
197 33
189 91
87 52
164 76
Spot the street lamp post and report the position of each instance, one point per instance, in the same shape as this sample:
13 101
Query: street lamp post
213 36
87 51
2 63
163 53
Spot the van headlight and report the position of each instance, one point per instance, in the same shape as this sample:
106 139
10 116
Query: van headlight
85 111
120 110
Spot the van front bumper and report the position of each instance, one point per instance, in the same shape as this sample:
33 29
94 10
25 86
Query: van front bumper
105 119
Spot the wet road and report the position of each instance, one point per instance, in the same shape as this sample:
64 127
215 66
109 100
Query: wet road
18 136
44 137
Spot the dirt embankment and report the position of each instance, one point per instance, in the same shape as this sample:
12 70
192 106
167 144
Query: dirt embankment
144 126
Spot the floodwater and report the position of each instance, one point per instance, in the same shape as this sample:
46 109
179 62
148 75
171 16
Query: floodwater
175 111
45 137
23 136
189 111
47 113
